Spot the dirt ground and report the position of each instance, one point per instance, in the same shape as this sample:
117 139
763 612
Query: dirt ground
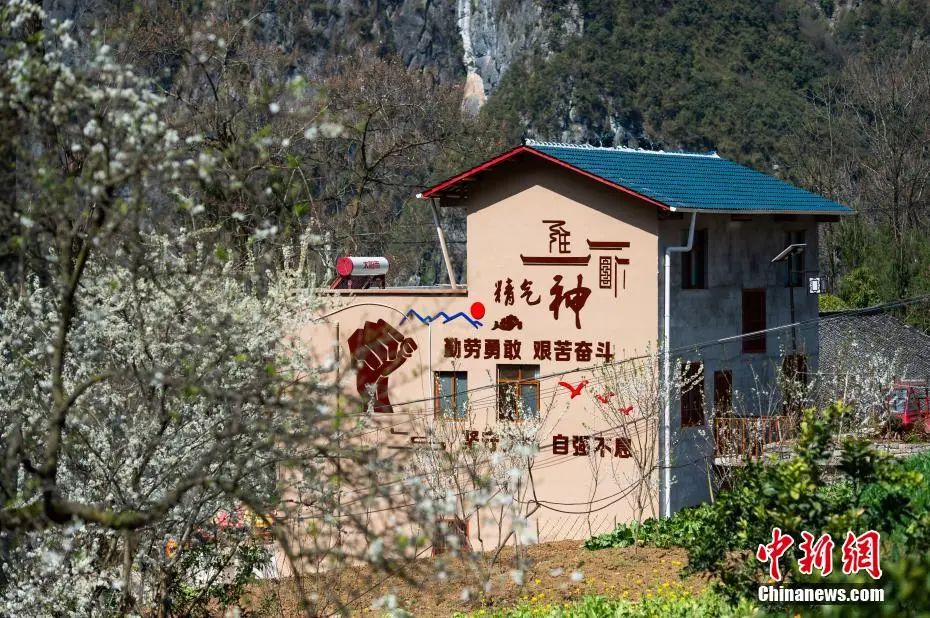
559 572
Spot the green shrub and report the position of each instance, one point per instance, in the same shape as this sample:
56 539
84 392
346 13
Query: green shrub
860 288
830 302
679 530
873 491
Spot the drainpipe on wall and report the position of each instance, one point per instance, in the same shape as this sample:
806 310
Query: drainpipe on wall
667 417
442 244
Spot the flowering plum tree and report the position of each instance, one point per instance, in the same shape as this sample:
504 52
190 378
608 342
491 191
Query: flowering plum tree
156 418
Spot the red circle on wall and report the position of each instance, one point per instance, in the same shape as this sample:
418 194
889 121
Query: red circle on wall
344 266
477 310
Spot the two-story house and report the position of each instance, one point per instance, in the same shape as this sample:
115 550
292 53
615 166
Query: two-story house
580 258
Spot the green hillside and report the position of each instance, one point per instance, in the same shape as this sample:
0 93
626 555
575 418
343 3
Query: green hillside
728 75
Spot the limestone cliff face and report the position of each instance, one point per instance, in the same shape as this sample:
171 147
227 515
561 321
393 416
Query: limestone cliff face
423 33
470 41
493 32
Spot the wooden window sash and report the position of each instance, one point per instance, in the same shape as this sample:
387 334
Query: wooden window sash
514 383
453 396
692 399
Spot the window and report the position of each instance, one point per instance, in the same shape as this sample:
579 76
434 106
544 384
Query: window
517 392
456 528
692 394
898 400
723 391
694 262
450 394
794 376
753 321
920 397
795 260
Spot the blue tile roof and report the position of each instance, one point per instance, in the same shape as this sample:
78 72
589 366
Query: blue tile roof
702 182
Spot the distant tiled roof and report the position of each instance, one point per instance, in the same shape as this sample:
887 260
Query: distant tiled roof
673 180
860 337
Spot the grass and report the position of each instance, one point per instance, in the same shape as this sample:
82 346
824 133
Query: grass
669 603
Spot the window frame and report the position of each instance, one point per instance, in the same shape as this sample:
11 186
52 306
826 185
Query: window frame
756 344
691 398
437 397
723 376
698 253
517 395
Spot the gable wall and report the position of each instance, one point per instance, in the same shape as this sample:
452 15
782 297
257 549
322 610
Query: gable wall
505 220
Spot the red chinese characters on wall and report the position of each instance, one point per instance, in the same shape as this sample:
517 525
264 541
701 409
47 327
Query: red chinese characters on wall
582 446
487 437
526 293
377 350
561 350
573 299
505 288
558 249
609 274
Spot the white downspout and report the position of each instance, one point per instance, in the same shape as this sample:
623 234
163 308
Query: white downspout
667 417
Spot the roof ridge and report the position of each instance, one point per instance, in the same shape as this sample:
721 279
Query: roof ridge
709 155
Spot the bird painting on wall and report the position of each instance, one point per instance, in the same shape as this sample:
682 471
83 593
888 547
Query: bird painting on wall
574 391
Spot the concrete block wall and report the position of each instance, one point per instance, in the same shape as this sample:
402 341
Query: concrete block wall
739 255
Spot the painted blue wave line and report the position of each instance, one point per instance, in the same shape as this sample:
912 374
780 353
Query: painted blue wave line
442 314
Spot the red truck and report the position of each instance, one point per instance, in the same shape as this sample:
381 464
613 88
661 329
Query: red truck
909 401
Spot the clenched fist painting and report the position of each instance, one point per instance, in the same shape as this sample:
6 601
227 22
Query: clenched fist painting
378 349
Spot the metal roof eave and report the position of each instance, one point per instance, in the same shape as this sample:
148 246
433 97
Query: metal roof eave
845 212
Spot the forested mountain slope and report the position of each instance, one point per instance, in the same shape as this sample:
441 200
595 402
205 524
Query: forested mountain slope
729 75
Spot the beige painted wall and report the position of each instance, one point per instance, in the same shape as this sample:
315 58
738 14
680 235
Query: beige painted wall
506 215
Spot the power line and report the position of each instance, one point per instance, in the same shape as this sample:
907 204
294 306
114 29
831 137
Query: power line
553 460
700 345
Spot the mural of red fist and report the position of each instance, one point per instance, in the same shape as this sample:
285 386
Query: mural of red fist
378 349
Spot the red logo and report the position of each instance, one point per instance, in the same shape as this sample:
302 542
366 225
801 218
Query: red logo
773 551
860 553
